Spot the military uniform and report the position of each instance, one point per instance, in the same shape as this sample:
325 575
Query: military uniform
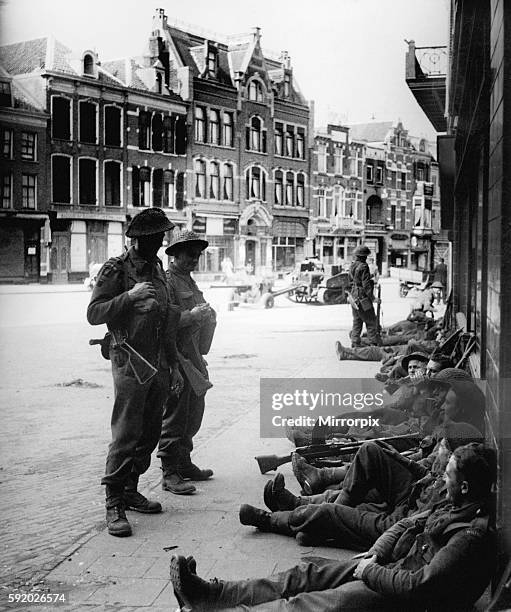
183 414
137 411
362 294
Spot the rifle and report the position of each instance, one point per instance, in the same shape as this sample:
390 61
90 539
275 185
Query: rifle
104 343
141 368
316 451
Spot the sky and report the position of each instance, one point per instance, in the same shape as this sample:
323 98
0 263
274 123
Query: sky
347 55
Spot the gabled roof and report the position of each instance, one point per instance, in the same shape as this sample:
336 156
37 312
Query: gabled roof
36 55
375 131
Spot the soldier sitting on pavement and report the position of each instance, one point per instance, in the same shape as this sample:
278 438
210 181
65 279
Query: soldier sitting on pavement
437 558
132 298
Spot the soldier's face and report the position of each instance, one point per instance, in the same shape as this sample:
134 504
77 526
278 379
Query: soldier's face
188 259
148 246
416 367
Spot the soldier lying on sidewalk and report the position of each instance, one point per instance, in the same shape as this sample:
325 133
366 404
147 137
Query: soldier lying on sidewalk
440 558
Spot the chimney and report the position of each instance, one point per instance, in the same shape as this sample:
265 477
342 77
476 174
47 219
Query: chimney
285 60
256 32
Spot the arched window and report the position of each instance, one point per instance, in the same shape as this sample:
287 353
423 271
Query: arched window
255 91
290 141
200 178
290 183
214 127
157 132
214 191
88 64
159 82
279 187
227 130
200 124
228 178
300 144
300 189
256 136
255 180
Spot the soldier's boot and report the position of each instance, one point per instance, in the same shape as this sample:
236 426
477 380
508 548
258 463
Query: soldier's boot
277 497
190 471
273 522
191 591
116 520
315 480
344 353
173 481
136 501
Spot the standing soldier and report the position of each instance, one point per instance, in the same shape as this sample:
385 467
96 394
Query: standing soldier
131 296
361 299
183 414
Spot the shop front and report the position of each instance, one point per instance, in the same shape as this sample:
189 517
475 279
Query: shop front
288 244
220 232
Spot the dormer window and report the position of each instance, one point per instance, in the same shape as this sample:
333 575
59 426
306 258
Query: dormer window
255 91
89 61
212 62
287 85
159 83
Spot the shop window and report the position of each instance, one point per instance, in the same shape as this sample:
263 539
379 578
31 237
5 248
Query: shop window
28 190
6 144
6 190
157 132
87 122
28 146
228 130
61 179
144 130
61 118
112 126
169 193
200 179
87 181
279 187
200 124
300 190
112 183
214 181
228 179
290 182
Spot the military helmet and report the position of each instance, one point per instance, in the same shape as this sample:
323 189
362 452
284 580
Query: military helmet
185 237
362 251
149 221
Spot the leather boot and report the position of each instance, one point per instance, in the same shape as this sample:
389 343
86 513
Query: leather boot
344 353
250 515
191 591
136 501
116 520
193 472
277 497
172 481
315 480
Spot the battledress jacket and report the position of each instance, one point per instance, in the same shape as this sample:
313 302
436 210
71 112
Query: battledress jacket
360 278
152 333
444 557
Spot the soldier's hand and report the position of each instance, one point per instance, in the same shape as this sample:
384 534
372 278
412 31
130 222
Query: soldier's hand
363 563
142 291
176 381
198 312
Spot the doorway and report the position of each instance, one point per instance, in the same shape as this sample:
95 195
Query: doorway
59 258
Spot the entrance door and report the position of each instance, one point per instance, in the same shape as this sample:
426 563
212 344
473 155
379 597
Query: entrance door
250 247
59 258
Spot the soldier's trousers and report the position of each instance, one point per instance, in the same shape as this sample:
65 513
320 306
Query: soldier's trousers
369 318
182 419
315 584
136 422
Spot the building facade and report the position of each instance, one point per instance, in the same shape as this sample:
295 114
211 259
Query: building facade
23 208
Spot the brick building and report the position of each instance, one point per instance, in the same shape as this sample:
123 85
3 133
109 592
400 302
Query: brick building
116 142
247 184
23 208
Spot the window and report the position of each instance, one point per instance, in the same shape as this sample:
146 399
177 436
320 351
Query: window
87 181
200 124
145 186
290 183
214 127
157 180
5 93
214 186
28 190
144 130
402 219
360 166
87 122
169 134
6 190
212 57
321 158
255 180
7 144
112 126
61 179
287 85
200 178
393 215
338 201
278 187
420 174
255 91
393 179
169 192
279 138
112 183
61 118
228 178
256 136
379 174
227 139
321 203
403 181
300 144
88 65
300 190
28 146
290 141
159 82
338 160
369 173
157 132
350 205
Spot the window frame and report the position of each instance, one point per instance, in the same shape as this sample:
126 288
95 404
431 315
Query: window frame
278 187
70 159
214 127
9 142
118 163
95 160
9 176
96 121
25 191
200 178
214 181
70 124
25 156
228 129
228 179
199 124
121 120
